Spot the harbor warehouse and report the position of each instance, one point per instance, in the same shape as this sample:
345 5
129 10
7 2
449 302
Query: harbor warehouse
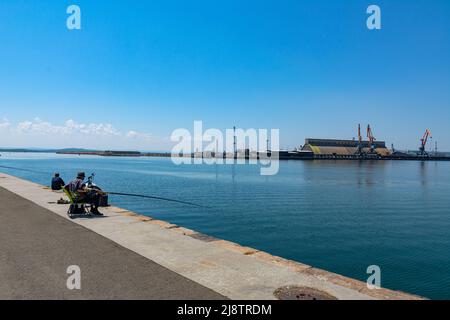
330 147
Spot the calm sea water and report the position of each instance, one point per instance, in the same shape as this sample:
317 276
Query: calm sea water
339 216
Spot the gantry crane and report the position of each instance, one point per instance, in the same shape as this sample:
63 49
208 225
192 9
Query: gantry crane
371 139
424 140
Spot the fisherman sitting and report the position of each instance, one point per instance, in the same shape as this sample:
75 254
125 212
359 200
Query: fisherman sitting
57 182
79 188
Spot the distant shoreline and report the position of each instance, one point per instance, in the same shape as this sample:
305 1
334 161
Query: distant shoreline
125 153
282 155
77 151
117 153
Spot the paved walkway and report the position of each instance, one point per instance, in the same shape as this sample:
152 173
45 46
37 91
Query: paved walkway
37 246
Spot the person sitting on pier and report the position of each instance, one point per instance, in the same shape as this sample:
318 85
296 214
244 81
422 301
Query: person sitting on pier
79 188
57 182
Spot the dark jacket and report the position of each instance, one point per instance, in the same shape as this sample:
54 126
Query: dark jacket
57 183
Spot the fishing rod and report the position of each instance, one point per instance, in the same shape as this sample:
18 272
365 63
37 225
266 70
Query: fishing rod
153 197
92 185
22 169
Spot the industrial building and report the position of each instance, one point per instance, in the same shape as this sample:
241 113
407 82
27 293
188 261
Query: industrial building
331 147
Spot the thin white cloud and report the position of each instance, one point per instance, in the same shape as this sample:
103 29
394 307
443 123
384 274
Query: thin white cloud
70 127
4 124
40 133
137 135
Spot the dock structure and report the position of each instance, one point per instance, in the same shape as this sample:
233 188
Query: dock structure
124 255
314 149
333 149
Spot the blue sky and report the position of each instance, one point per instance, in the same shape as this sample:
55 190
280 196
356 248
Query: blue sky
137 70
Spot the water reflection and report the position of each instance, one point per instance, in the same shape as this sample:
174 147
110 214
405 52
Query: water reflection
423 172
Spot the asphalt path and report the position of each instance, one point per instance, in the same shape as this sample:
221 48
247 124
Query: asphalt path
37 246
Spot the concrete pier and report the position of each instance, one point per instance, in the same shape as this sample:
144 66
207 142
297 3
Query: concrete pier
128 256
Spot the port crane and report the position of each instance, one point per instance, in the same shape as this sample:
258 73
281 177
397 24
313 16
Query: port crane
371 139
424 140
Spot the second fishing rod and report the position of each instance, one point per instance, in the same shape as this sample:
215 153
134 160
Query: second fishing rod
90 184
